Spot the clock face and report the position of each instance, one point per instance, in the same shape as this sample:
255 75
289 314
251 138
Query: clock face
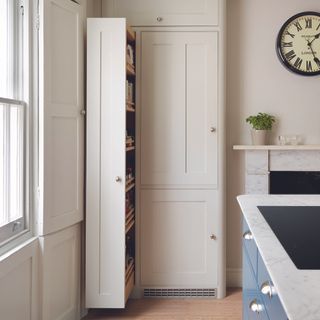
298 44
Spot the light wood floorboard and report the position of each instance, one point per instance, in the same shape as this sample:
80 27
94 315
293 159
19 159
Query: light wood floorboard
176 309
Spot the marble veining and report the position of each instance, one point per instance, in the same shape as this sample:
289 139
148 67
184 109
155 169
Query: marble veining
298 290
297 160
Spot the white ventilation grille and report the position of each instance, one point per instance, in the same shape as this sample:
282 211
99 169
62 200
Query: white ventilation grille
180 293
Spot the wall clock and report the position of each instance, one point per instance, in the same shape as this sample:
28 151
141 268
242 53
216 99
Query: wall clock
298 43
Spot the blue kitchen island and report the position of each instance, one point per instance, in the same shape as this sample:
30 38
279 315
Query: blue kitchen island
277 285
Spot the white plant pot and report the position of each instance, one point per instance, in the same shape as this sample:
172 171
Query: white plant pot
259 137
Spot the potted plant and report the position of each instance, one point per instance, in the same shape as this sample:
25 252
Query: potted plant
261 125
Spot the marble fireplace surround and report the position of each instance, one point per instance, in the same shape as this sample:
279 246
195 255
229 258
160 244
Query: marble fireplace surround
260 160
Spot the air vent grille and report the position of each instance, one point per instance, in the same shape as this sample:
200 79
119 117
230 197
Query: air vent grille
180 293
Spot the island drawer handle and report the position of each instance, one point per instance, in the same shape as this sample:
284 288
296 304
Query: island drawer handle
248 235
255 306
267 289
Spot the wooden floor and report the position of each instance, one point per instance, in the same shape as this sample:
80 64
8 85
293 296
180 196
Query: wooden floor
176 309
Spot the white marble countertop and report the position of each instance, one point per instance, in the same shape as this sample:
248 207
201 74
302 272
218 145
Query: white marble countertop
298 290
278 147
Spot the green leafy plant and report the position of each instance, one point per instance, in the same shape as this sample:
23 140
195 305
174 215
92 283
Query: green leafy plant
262 121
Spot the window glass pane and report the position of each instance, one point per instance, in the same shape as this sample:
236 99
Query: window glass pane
16 163
10 49
11 163
2 161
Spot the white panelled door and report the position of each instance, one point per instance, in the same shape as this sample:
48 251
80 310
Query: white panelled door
177 248
61 132
106 163
179 103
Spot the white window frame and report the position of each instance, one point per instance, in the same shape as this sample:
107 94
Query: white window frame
20 230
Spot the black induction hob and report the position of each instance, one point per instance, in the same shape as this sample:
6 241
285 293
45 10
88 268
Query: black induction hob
298 230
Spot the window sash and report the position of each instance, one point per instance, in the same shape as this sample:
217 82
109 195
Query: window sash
13 189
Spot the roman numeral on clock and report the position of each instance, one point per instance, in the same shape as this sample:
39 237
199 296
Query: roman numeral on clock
308 65
290 55
298 26
298 63
287 44
318 27
308 23
290 34
317 61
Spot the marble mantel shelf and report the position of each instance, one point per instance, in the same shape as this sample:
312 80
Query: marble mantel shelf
278 147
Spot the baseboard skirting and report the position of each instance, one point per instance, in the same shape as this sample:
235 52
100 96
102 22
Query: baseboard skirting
234 278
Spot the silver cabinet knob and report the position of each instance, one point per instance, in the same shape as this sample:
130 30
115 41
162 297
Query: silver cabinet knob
83 112
213 129
255 306
213 237
118 179
267 289
159 19
247 235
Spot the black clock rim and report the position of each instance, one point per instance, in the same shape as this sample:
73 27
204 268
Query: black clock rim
278 44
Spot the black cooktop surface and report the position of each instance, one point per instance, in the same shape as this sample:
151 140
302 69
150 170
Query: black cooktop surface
298 230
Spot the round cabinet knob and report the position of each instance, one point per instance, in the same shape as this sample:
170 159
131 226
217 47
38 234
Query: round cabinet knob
255 306
159 19
213 237
248 235
118 179
267 289
83 112
213 129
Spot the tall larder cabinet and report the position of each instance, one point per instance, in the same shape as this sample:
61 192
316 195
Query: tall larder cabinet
180 144
110 206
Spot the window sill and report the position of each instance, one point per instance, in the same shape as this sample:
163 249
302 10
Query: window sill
16 248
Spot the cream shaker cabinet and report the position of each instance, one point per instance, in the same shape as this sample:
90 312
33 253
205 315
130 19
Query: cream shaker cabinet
178 247
179 105
110 200
181 186
164 12
180 141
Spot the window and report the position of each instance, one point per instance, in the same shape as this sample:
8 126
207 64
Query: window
13 120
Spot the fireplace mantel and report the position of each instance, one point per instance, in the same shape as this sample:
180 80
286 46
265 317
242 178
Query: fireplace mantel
261 160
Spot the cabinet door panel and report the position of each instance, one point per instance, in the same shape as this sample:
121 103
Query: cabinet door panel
179 108
61 128
273 303
176 249
106 160
170 12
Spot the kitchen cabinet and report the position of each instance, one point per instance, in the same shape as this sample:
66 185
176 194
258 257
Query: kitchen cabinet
260 299
110 218
164 12
181 186
180 141
179 232
179 113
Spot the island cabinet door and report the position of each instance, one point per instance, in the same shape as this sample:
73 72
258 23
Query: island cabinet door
253 306
269 293
179 238
179 109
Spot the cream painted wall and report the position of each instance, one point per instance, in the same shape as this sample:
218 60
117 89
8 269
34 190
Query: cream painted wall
258 82
93 8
